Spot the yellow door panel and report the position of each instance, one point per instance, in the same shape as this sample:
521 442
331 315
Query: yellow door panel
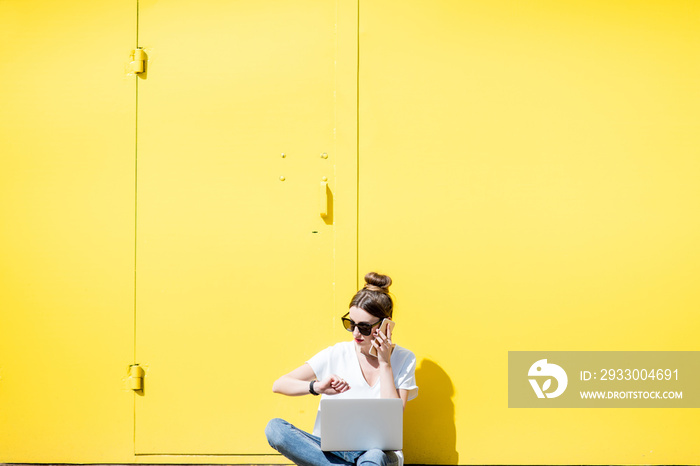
235 272
67 110
529 177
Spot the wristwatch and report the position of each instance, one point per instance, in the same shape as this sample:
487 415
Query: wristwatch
311 388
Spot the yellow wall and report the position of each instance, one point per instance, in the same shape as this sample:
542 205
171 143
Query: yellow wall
67 229
527 173
529 177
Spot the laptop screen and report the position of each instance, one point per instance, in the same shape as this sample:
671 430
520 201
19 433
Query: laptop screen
361 424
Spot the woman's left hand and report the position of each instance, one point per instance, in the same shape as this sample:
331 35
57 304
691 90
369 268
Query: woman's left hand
382 344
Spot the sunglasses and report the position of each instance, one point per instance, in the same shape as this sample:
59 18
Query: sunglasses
364 328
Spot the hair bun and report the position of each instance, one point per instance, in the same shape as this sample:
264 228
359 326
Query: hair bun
377 282
374 297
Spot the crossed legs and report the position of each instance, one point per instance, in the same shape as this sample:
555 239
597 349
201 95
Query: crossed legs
304 449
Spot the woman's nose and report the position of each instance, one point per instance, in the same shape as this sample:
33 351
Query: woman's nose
356 333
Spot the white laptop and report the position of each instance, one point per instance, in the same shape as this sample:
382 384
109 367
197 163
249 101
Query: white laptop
349 425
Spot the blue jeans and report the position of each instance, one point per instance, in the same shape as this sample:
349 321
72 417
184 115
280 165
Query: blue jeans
304 449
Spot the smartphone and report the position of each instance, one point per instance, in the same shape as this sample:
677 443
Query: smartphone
386 324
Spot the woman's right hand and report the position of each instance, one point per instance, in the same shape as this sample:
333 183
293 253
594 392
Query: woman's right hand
332 385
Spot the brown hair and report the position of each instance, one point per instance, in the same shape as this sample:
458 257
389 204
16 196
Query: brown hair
374 296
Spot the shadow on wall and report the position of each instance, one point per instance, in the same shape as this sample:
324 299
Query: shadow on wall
430 434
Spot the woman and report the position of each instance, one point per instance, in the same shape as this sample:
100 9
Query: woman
348 370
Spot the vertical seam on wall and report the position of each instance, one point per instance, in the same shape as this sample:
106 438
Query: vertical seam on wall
357 167
136 177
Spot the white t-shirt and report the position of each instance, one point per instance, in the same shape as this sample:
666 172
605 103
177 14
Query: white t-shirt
341 360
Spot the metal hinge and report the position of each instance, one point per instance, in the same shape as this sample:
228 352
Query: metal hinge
136 374
138 61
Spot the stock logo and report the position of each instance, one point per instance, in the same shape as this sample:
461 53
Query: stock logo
542 369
